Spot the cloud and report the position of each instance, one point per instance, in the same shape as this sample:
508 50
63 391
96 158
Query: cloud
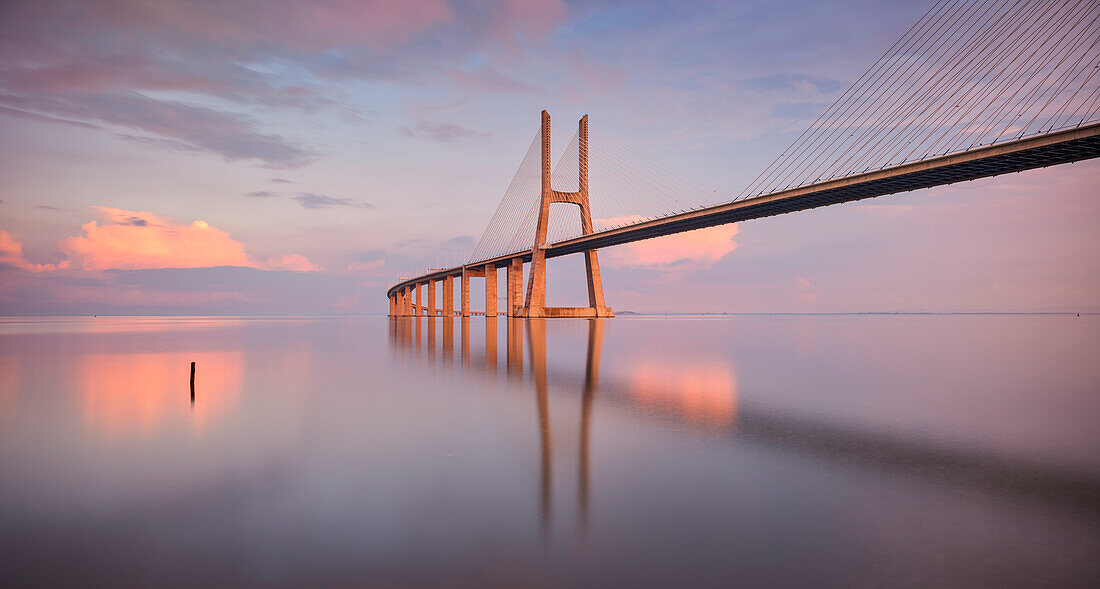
692 250
804 291
262 194
11 256
138 239
798 83
136 262
370 268
219 290
320 201
280 181
441 132
311 26
179 126
494 80
346 302
129 240
156 66
31 116
292 263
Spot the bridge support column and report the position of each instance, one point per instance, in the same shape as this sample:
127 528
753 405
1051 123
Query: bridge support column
393 306
431 298
464 292
490 290
535 302
419 305
448 296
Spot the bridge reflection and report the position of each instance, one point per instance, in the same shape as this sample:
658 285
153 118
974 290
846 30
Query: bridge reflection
405 334
704 397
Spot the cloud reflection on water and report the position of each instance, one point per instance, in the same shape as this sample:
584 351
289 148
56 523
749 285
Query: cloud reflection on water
136 394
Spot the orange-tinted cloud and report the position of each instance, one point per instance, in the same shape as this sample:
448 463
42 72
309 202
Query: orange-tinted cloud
129 240
11 253
293 263
691 250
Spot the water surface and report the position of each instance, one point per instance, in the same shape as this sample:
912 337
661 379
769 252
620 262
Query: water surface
905 450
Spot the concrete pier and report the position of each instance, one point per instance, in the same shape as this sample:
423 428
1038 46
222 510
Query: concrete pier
464 292
448 296
490 290
515 285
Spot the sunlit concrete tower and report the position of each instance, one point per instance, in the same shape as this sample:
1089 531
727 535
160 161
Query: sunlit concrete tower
535 301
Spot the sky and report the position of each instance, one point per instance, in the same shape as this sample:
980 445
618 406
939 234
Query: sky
229 157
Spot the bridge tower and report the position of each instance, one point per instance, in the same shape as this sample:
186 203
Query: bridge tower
535 301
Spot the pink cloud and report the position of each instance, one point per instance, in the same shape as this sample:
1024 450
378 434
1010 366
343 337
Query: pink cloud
532 18
312 25
293 263
140 240
692 250
367 268
11 254
804 290
129 240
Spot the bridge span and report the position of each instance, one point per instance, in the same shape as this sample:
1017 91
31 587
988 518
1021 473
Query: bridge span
1039 151
972 90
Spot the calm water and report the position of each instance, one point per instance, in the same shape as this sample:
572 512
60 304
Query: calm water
639 451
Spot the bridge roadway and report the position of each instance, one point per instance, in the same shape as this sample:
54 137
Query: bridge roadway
1037 151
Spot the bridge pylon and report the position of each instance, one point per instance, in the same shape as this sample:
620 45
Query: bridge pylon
535 301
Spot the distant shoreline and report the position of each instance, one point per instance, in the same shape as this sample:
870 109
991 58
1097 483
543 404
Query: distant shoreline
620 314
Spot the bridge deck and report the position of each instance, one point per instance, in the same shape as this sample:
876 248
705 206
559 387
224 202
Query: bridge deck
1039 151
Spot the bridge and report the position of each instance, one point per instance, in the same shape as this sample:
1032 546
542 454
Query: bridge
972 90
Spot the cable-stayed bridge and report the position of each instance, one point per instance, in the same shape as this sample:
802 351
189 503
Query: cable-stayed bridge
972 90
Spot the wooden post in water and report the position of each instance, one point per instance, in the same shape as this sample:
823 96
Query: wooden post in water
192 383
